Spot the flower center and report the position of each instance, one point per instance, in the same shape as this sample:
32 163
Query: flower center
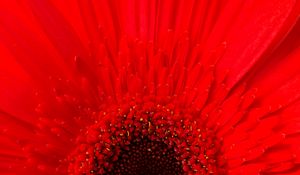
144 138
144 156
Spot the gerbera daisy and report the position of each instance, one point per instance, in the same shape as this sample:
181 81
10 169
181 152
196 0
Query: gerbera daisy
149 87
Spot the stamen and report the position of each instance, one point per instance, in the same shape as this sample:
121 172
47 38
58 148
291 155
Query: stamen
147 139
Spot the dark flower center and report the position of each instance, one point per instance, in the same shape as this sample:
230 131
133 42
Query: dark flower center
147 157
144 138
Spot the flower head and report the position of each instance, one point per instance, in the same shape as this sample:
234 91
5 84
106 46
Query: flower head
149 87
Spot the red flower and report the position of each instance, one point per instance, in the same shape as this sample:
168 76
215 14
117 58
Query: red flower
149 87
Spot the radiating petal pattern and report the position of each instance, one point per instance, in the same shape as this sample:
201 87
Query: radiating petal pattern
214 85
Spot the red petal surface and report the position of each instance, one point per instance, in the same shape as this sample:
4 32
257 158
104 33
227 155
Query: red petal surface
235 62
